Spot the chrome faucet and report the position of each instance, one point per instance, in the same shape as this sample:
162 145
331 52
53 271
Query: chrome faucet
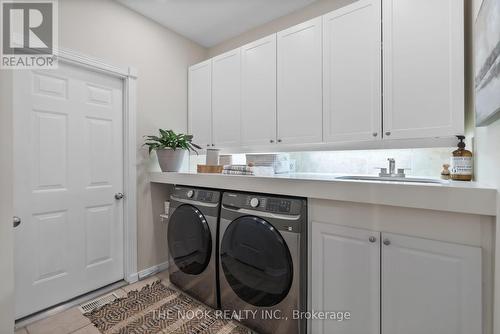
392 166
392 170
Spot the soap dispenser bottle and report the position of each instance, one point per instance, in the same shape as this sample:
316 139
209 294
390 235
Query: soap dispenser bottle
461 162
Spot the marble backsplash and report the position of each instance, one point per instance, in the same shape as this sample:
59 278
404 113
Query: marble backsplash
419 162
424 162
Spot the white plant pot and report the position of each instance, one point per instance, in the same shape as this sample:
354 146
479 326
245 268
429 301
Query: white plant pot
171 160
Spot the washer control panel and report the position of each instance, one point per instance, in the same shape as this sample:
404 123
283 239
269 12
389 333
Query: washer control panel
194 194
205 196
278 205
288 214
254 202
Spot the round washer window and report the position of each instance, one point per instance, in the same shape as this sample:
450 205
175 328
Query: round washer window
256 261
189 239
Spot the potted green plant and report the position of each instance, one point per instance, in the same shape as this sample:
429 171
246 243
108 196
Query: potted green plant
171 148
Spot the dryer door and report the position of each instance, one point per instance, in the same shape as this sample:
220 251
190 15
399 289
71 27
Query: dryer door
256 261
189 239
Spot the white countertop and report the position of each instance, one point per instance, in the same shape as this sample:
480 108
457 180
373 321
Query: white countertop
463 197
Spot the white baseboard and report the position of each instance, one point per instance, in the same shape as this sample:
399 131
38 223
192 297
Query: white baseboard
132 278
152 270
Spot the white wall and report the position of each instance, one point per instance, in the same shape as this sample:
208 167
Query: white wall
6 209
487 156
108 30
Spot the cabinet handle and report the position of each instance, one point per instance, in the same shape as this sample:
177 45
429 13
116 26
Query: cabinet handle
213 144
388 133
208 145
279 140
372 239
16 221
271 141
375 134
387 242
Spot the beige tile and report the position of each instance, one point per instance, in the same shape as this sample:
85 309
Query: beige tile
62 323
164 276
21 331
90 329
139 285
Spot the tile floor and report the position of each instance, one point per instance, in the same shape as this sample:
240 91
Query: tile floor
72 321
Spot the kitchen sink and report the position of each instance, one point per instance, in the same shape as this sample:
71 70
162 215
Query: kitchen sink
391 179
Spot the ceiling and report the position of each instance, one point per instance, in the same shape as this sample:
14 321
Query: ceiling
210 22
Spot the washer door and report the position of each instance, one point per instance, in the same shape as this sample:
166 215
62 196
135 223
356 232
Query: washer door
256 261
189 239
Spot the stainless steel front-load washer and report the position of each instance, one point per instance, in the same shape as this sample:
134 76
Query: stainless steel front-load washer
263 254
192 242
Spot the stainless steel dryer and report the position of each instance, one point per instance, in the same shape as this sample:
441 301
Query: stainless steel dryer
192 242
263 254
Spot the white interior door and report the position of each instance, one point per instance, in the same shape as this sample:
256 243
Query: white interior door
68 160
6 207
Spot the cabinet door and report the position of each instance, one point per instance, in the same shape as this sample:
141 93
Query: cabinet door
346 277
226 98
430 286
352 91
258 109
300 117
200 103
423 68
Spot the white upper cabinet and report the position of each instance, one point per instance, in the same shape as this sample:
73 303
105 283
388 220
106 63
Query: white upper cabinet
258 82
346 277
299 116
430 286
200 103
226 98
423 68
352 79
328 80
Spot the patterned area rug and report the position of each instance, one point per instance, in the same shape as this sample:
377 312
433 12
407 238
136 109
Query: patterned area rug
157 308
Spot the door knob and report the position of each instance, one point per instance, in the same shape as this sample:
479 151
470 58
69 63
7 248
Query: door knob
388 133
387 242
372 239
119 196
16 221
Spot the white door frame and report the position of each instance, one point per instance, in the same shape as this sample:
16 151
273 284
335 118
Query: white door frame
128 75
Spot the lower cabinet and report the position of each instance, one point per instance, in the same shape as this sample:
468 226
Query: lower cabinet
394 283
430 286
346 278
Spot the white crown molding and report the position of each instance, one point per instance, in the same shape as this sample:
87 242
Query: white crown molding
94 62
